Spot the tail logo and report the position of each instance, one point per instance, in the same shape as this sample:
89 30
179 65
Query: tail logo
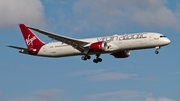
29 41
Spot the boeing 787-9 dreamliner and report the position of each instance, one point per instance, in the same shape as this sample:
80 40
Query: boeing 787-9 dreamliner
118 46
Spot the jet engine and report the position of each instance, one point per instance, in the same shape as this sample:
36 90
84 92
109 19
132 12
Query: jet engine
121 54
98 47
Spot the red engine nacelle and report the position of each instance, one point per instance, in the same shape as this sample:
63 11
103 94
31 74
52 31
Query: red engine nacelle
121 54
98 47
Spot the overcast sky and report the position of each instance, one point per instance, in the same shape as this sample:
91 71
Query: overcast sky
144 76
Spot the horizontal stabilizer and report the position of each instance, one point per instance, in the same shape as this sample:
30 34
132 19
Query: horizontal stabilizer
22 50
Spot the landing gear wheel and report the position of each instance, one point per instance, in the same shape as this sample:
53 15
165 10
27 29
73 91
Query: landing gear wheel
88 57
99 60
157 52
157 48
84 58
95 61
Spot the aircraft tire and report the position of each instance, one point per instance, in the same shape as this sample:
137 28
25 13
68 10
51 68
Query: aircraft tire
156 52
99 60
95 61
84 58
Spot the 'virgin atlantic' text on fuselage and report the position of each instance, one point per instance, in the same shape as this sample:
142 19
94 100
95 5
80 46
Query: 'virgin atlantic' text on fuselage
123 37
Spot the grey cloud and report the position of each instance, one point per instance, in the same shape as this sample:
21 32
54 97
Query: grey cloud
125 96
108 14
111 76
159 99
42 95
178 72
49 94
117 96
87 72
13 12
148 79
102 75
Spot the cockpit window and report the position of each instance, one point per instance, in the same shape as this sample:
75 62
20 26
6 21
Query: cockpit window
162 36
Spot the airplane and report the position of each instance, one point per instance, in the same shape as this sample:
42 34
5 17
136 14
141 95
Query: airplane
118 46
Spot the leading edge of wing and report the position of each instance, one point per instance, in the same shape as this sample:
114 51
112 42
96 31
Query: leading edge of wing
70 41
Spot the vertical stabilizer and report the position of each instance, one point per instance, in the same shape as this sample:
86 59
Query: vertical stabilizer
33 43
31 40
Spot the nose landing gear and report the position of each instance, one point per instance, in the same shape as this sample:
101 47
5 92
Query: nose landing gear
156 52
157 48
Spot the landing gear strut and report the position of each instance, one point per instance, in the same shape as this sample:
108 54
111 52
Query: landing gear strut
97 59
157 48
85 57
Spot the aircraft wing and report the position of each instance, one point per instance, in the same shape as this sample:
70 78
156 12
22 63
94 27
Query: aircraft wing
77 44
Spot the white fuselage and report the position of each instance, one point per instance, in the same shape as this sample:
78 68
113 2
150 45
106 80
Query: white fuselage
116 43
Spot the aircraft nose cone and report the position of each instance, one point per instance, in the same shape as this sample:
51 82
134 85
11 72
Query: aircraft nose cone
167 41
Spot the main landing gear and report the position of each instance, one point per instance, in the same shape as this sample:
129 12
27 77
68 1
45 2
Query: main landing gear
96 60
85 57
157 48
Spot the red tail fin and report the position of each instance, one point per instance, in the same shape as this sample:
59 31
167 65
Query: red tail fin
32 41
